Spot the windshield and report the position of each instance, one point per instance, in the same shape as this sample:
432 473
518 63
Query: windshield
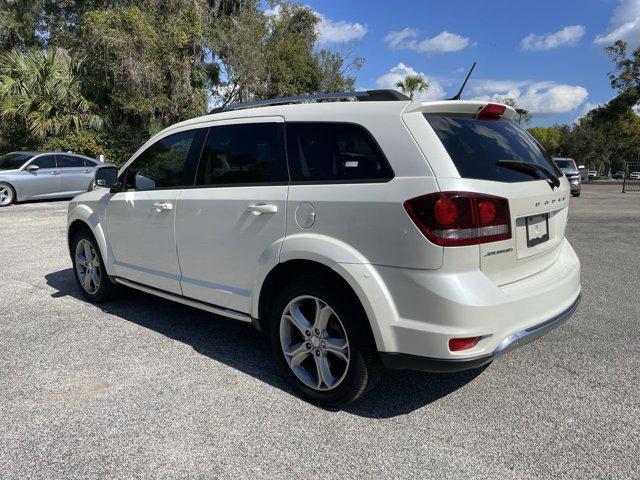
476 147
11 161
565 163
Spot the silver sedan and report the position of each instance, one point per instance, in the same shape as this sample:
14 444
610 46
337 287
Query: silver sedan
44 175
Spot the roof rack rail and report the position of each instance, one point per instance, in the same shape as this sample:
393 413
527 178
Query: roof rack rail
363 96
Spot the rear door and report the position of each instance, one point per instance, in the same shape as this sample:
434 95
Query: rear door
75 174
488 157
44 182
141 218
234 218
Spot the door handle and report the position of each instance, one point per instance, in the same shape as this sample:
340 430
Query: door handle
86 171
162 207
55 173
260 208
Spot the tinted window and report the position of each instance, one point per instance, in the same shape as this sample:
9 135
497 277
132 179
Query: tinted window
89 163
334 152
11 161
476 145
162 164
563 163
67 161
46 161
246 153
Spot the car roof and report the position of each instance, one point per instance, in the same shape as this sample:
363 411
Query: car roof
333 111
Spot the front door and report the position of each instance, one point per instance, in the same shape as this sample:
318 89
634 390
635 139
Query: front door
42 183
141 218
234 218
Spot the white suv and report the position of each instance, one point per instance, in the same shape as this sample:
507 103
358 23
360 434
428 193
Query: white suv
358 234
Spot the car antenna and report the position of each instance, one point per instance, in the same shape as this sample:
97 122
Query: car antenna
459 94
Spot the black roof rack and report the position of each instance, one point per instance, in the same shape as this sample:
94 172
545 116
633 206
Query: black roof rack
363 96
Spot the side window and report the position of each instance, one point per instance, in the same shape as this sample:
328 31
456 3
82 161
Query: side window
162 164
46 161
334 152
67 161
243 153
89 163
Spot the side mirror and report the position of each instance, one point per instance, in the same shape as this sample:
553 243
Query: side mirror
106 176
33 168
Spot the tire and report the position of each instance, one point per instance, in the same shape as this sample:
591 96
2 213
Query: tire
88 268
7 194
348 355
576 194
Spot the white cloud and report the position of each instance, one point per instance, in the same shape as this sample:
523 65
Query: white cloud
567 36
398 39
330 31
624 24
444 42
389 79
538 97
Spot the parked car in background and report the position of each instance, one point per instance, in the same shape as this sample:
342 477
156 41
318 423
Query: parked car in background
584 173
570 170
44 175
358 235
634 176
593 173
619 175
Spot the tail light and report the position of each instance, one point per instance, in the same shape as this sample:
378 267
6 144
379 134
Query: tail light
491 111
461 218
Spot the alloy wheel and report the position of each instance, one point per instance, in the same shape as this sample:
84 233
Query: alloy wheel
6 195
88 266
314 343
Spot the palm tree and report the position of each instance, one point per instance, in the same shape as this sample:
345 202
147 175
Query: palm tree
42 89
413 84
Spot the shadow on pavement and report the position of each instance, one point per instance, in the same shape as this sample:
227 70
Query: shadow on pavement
240 346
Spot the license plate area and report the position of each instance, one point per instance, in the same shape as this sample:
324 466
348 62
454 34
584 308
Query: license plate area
537 229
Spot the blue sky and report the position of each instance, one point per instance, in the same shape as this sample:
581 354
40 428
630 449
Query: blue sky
546 54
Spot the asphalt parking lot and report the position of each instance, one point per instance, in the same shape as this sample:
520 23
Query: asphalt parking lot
146 388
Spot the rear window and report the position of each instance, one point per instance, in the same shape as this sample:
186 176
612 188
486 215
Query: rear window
334 152
243 154
67 161
475 146
564 163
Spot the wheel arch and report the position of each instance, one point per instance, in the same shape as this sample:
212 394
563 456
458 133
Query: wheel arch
82 217
281 273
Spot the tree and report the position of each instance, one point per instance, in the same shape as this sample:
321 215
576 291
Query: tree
626 77
548 137
239 43
276 56
412 84
42 89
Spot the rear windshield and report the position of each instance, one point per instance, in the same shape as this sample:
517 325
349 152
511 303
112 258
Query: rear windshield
564 163
476 146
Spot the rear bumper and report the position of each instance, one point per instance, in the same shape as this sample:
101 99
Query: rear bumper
414 313
402 361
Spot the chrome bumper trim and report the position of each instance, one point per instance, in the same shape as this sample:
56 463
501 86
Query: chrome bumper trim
529 334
